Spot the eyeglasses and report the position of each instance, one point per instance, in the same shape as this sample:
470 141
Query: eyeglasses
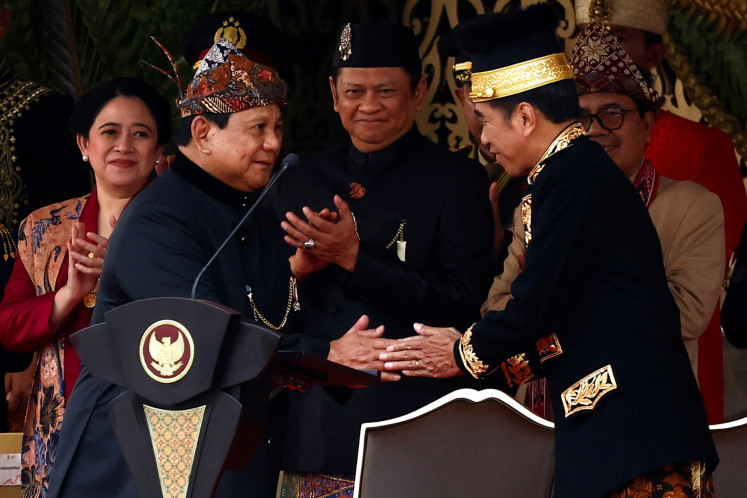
610 119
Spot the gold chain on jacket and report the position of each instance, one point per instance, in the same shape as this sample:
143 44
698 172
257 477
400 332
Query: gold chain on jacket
292 304
399 236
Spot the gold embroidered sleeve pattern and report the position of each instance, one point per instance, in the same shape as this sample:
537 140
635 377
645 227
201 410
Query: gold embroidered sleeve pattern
470 360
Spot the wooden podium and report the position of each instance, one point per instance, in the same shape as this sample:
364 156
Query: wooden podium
189 369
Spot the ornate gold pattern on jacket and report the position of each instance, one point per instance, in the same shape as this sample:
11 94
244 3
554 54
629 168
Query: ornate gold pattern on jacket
526 217
563 140
174 435
586 393
549 347
517 370
517 78
15 98
470 360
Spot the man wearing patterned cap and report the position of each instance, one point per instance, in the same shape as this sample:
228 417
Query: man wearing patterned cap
408 238
229 140
591 310
618 114
682 150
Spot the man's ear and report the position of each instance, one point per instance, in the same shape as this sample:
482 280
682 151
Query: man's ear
200 129
419 95
525 116
333 89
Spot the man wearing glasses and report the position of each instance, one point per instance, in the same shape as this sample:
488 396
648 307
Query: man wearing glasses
618 114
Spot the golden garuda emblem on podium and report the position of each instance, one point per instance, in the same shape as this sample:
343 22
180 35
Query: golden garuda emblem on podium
166 351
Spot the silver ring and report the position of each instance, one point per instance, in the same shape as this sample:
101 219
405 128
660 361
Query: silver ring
417 363
309 244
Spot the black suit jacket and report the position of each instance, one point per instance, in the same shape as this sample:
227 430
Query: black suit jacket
441 200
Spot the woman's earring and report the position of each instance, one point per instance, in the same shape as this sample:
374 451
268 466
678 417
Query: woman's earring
85 158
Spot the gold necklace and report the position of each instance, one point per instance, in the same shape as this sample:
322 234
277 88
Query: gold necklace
292 304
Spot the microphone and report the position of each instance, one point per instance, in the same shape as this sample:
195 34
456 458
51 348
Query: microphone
289 161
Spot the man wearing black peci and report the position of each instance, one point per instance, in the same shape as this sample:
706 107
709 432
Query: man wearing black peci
390 226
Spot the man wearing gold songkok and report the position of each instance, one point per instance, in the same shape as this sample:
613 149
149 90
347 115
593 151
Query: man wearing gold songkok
681 149
591 309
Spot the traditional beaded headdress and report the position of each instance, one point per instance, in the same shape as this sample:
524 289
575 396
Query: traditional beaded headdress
601 65
226 81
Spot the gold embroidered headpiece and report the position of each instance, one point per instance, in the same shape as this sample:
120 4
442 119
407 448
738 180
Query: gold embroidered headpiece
601 65
514 52
648 15
520 77
226 82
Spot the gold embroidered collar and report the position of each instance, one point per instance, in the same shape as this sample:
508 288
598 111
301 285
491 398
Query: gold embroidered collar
517 78
562 141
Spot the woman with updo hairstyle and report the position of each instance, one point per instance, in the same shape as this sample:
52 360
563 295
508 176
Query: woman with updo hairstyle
121 127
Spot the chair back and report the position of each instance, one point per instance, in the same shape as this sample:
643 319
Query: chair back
730 477
468 443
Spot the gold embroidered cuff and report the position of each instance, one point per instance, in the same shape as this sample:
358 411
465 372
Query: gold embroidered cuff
517 370
510 80
470 360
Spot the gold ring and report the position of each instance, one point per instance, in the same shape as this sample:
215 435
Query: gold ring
91 255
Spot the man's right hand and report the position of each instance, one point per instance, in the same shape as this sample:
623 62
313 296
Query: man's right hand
359 348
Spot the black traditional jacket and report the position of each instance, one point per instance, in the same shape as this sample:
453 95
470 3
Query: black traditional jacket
592 312
425 226
163 239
